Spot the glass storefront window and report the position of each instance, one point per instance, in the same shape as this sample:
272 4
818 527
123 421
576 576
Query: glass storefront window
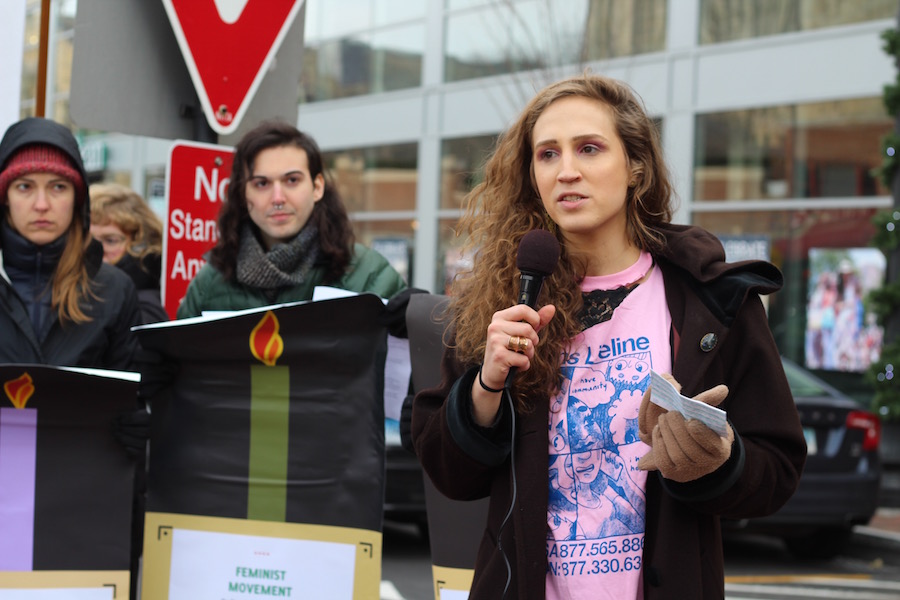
392 238
378 186
29 76
62 69
462 162
729 20
388 59
32 23
324 76
824 149
155 192
60 61
462 168
797 242
457 4
361 47
60 111
376 178
451 261
386 12
506 37
67 11
30 57
326 19
396 58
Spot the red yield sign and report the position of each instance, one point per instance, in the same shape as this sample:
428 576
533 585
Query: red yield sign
228 45
196 182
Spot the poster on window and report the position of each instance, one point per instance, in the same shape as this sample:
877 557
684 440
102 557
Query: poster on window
841 333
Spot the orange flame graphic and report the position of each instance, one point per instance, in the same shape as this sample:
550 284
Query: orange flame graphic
19 390
265 343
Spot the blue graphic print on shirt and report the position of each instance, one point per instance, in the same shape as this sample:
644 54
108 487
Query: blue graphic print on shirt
589 472
596 494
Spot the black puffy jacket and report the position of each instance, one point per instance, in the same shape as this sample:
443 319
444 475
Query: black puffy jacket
104 342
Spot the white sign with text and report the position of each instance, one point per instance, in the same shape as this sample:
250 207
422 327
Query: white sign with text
226 566
59 594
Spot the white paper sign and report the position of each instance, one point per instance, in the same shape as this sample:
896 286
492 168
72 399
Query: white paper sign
225 566
105 593
397 371
454 594
664 394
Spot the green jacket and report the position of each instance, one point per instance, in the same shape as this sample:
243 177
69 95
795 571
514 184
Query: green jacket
369 271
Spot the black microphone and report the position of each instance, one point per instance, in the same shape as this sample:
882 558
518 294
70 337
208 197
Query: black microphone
536 259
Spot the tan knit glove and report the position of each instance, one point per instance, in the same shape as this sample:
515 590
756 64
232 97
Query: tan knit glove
649 413
682 450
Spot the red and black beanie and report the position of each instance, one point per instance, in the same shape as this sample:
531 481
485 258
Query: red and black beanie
41 158
36 143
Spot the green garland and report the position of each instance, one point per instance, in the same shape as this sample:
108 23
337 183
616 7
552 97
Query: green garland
886 223
890 161
885 301
884 375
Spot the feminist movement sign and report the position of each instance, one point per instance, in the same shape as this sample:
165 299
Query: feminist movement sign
267 464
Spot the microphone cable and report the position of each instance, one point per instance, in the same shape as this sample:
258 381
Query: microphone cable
536 258
513 490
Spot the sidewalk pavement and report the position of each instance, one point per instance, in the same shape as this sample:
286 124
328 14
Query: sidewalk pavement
884 527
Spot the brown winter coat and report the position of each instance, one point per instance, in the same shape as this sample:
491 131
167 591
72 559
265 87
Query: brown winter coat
683 555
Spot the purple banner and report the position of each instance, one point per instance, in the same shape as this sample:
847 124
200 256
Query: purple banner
18 453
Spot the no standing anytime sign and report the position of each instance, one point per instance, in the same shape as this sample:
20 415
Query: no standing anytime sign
196 179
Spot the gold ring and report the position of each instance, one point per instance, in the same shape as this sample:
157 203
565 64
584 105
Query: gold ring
517 344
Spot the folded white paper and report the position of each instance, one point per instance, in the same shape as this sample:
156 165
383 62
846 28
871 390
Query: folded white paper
664 394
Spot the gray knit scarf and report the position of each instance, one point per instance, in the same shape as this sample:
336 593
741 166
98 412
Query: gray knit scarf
285 265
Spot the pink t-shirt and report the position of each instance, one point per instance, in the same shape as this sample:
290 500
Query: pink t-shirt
597 495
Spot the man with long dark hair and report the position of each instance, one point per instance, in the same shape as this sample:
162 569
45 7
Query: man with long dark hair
282 231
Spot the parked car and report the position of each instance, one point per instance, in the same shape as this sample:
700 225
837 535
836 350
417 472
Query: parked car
840 483
838 489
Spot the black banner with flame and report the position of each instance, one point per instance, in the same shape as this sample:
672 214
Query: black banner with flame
275 415
66 484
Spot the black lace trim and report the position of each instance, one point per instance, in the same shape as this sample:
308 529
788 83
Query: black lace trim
600 304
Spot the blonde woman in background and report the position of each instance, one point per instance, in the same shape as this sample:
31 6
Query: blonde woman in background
131 235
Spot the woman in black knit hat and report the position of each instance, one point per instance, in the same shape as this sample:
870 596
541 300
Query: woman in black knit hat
59 304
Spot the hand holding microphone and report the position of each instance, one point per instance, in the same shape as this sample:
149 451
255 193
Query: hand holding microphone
512 334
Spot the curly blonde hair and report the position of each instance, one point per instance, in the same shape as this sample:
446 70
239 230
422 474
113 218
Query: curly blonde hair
120 205
506 205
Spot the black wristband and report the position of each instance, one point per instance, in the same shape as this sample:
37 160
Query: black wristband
486 388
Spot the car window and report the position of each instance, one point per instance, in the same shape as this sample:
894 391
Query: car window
801 383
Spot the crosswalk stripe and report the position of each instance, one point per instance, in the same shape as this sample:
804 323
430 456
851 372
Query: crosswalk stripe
845 592
766 579
389 592
867 582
